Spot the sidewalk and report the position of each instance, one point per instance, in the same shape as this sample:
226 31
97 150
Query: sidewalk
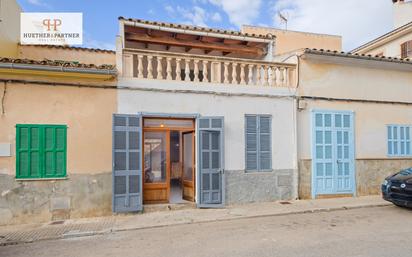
101 225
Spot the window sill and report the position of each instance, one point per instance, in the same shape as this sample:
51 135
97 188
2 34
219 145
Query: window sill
41 179
258 171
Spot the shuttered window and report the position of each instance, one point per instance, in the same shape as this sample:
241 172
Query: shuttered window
258 137
40 151
406 49
399 140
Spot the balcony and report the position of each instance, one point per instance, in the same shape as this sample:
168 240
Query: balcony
190 68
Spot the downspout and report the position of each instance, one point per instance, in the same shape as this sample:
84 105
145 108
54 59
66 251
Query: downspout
19 66
3 98
295 176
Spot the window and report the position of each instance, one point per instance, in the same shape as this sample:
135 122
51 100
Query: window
258 142
40 151
399 140
406 49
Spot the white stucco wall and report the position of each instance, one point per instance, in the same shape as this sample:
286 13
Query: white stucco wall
215 100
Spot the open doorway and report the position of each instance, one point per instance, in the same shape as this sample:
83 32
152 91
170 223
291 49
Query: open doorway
182 166
169 160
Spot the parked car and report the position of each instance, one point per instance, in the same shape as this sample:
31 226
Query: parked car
398 188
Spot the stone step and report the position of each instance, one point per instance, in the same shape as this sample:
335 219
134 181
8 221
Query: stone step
147 208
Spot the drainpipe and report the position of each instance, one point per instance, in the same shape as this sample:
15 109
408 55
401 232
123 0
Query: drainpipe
295 177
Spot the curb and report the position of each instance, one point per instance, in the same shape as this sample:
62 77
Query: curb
113 229
318 210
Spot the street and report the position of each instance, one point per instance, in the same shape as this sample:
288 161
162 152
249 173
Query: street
381 231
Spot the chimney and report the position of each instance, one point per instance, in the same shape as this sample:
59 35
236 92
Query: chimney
402 12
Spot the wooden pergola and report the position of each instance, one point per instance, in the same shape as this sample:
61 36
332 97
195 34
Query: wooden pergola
196 38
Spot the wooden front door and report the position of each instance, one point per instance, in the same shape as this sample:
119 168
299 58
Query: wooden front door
156 166
160 166
188 143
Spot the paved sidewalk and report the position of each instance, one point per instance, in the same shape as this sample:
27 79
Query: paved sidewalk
102 225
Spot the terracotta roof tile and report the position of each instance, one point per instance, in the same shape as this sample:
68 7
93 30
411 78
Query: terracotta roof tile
356 55
75 48
47 62
198 28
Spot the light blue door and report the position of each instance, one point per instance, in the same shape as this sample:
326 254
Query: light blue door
332 153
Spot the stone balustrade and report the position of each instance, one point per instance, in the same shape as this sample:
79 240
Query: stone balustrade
206 69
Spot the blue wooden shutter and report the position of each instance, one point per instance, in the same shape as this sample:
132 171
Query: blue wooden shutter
127 163
251 130
211 173
258 147
265 143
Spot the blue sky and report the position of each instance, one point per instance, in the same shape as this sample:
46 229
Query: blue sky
357 21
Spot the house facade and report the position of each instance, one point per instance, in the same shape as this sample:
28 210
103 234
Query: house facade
55 134
354 122
208 104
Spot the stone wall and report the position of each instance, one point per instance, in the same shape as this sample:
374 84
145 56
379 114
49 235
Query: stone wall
370 174
42 201
243 187
305 179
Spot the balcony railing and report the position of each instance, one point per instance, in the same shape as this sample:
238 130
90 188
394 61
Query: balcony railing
205 69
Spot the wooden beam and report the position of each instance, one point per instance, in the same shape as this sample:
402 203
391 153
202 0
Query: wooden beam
196 44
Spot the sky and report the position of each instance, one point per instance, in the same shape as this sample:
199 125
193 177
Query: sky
357 21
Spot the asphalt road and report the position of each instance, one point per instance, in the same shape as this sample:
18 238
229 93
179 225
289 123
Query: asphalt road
381 231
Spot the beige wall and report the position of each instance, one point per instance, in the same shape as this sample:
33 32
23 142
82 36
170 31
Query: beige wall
287 41
9 28
356 82
66 54
86 111
353 79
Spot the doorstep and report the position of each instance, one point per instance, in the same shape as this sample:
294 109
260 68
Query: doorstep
148 208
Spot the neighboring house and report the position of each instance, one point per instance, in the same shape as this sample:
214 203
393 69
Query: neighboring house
354 122
55 134
354 116
396 43
289 41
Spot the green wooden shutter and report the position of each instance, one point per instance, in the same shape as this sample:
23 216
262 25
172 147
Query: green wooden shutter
54 151
40 151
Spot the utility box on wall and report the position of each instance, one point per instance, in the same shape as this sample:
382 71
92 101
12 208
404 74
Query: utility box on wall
5 149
